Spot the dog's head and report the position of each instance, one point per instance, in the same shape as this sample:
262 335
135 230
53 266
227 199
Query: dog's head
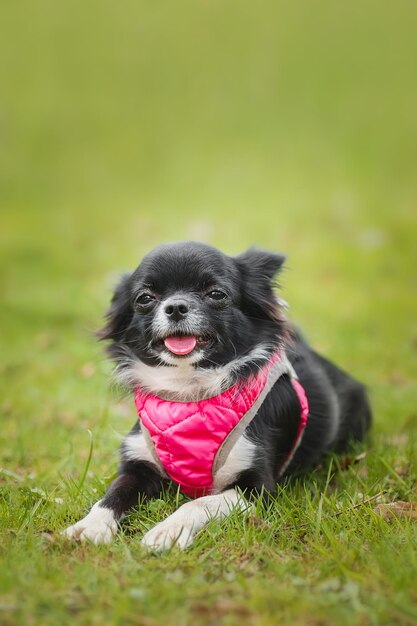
187 304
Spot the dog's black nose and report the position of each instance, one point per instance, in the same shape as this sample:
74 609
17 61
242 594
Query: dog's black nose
176 311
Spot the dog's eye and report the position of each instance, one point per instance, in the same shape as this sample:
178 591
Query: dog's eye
144 298
217 295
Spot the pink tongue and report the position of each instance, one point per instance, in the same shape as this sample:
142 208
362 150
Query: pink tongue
180 345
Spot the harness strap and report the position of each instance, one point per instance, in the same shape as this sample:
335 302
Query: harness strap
281 367
299 390
151 447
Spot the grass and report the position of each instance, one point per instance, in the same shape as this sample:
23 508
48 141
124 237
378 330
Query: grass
289 125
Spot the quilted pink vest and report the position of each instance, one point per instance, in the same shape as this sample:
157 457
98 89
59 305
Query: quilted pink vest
191 440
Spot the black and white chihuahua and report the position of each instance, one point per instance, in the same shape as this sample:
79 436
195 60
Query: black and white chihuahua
187 325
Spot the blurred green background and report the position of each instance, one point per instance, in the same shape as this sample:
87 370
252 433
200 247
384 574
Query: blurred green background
122 125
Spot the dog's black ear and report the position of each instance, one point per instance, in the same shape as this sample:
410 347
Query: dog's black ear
120 312
258 269
260 265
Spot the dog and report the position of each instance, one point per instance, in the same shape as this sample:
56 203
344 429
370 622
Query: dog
231 399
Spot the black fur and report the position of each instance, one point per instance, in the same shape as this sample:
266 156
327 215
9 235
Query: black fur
248 316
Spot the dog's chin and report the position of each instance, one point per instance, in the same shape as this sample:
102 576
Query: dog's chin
181 378
182 350
180 360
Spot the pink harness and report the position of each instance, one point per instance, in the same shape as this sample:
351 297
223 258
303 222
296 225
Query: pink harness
191 440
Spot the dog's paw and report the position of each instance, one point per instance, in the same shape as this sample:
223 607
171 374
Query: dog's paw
180 528
96 532
99 526
171 532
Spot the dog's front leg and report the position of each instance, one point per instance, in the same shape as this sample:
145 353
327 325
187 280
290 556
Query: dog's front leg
181 527
136 479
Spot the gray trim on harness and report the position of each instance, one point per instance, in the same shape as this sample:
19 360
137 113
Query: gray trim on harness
151 447
281 367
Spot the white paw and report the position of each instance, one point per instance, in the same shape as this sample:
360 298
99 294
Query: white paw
168 533
99 526
181 527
